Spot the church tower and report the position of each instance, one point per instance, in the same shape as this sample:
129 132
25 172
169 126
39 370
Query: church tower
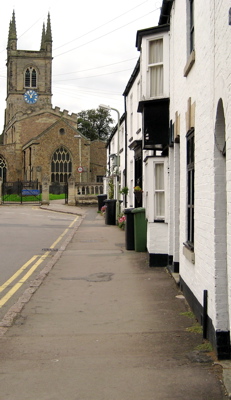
29 78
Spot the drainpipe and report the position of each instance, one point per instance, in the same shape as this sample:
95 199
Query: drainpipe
205 313
126 150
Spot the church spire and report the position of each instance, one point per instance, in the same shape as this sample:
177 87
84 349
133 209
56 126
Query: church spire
43 46
48 30
12 37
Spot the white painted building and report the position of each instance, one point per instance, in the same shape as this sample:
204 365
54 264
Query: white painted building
147 124
178 149
200 82
153 44
116 162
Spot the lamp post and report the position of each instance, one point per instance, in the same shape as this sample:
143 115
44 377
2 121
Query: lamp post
105 107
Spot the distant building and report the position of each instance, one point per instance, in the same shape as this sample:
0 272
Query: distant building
40 140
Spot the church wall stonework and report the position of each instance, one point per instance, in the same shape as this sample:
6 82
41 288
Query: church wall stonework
13 159
98 159
44 146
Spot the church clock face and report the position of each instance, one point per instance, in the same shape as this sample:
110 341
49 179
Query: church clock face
30 97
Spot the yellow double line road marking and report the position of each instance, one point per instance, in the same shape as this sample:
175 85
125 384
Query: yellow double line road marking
14 289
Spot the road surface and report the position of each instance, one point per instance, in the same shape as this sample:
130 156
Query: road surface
29 237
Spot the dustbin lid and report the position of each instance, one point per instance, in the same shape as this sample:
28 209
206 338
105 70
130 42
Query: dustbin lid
110 201
102 195
128 210
138 210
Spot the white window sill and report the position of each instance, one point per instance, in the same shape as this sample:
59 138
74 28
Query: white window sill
190 62
189 254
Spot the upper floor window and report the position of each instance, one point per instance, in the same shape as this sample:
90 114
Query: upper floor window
30 80
131 115
155 67
192 39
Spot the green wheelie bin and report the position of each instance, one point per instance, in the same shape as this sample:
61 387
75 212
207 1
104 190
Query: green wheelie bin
140 229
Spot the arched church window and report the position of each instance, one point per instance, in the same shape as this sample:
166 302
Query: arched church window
3 168
30 77
61 165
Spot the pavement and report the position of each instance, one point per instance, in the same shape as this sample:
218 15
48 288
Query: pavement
99 324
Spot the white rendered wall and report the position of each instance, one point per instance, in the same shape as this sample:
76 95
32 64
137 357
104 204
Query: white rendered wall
134 132
208 80
221 31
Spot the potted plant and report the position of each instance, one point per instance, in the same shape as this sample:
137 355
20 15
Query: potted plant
138 193
110 216
124 190
111 189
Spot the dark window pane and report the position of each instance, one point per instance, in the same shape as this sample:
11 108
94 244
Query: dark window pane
33 78
27 78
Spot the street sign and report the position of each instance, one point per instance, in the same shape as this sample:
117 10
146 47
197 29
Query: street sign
80 169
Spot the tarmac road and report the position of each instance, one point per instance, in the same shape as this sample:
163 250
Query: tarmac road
105 326
29 237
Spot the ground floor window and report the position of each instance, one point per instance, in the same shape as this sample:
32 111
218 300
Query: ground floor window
159 191
190 187
99 179
3 168
61 165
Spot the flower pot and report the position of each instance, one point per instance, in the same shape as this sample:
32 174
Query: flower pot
138 196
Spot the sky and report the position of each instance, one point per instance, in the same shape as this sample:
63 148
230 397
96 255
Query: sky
94 50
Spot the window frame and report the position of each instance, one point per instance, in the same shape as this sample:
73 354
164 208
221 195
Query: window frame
157 191
99 178
191 27
131 114
30 78
190 161
153 66
191 55
61 165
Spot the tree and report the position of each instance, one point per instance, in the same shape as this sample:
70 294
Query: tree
95 124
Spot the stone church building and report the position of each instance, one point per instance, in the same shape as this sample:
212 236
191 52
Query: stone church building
39 140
